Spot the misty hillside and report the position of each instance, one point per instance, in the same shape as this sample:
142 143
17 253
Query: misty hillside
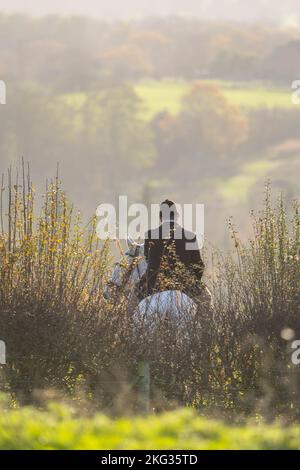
264 10
129 108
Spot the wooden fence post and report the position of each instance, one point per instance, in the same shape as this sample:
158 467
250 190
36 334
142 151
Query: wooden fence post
143 385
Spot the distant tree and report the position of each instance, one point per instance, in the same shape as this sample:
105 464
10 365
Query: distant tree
125 62
282 65
32 126
80 70
209 122
154 47
202 140
169 143
233 65
100 140
118 140
270 127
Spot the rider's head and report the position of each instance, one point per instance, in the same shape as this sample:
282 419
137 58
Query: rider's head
168 211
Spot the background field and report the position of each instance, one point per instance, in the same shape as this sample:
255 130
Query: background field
165 95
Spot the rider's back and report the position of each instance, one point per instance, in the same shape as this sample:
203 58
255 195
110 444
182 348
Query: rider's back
173 257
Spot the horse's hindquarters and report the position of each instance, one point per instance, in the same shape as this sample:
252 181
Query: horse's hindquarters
167 304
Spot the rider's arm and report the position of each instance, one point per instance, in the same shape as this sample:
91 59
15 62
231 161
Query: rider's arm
146 246
197 264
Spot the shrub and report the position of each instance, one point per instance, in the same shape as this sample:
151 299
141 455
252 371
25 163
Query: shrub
256 301
61 334
51 274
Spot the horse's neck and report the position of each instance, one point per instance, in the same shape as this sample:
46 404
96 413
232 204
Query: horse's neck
138 271
116 277
130 276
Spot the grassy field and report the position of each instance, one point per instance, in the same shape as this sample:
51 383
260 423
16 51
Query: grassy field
166 95
57 428
236 189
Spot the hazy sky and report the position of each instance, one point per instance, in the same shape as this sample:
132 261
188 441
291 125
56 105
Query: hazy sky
277 10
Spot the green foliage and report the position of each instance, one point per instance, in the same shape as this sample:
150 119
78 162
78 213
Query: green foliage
112 127
98 137
256 299
209 121
58 428
51 271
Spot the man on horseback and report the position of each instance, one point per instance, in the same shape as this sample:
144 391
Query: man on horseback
173 257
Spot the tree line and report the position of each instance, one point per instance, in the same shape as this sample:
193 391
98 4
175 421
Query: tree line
74 53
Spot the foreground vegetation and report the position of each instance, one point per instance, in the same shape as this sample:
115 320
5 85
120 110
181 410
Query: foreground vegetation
62 334
57 428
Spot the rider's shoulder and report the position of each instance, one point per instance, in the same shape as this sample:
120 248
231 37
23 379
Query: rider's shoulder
152 234
188 235
182 233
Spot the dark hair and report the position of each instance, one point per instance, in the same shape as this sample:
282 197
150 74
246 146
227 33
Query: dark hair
170 205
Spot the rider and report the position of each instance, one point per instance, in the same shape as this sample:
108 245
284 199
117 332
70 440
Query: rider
172 255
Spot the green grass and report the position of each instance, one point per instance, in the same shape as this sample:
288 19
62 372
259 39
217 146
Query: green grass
237 188
167 94
161 95
58 428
